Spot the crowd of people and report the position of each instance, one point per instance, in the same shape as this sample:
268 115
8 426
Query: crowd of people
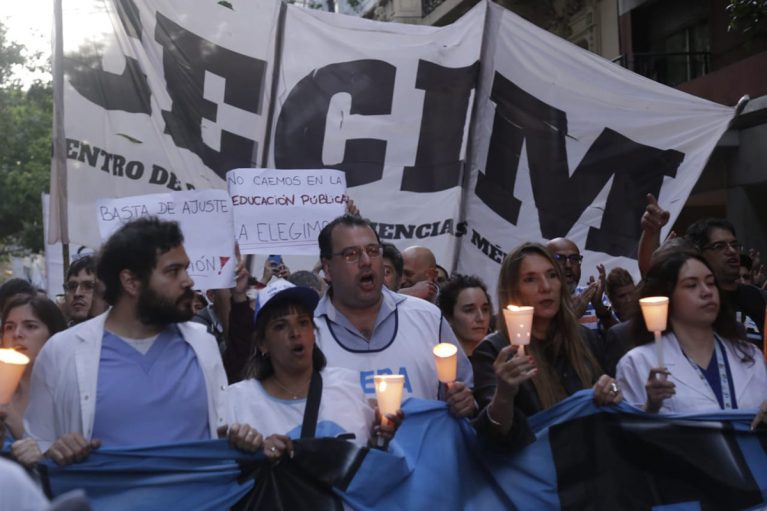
135 356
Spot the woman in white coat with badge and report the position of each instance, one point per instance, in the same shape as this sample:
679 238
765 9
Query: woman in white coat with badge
707 366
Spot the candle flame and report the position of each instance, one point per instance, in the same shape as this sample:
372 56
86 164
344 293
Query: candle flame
10 356
445 350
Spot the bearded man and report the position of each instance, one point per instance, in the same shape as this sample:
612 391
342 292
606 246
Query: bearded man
141 373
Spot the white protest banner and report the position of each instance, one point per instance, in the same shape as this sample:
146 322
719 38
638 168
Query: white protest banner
171 94
158 96
283 211
205 218
54 256
568 144
390 105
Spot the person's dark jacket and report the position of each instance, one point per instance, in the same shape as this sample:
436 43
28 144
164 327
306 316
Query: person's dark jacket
751 301
526 402
238 348
621 339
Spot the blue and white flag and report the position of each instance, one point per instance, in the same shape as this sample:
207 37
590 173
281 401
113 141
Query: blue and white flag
584 457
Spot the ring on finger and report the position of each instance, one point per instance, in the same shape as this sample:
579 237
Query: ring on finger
273 449
614 388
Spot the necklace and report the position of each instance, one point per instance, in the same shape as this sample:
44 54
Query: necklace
293 395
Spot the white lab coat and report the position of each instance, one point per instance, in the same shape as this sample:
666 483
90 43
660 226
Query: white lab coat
64 381
692 394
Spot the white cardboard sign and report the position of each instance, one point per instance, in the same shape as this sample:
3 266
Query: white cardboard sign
283 211
205 218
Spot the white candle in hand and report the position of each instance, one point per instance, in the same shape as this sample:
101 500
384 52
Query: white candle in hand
12 365
388 393
655 314
446 360
519 323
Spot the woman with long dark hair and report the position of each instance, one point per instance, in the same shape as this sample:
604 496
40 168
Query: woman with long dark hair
28 322
707 366
464 302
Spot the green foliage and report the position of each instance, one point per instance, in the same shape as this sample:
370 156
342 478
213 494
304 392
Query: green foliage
10 56
746 15
25 152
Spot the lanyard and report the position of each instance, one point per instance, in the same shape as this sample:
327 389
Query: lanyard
724 380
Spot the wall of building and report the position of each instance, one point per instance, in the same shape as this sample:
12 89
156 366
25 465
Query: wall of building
610 37
728 84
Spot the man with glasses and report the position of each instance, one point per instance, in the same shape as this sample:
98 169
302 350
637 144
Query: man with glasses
716 240
366 327
393 266
589 303
79 289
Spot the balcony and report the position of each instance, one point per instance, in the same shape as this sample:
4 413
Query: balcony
668 68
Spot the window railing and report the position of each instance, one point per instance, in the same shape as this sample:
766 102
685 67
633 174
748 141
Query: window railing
668 68
427 6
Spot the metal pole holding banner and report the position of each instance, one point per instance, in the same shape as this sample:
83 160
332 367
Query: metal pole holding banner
276 65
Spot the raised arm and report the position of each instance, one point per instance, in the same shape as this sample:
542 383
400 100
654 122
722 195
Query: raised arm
653 220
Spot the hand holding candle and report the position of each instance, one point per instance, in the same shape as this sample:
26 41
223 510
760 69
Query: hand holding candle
655 313
388 393
12 365
519 322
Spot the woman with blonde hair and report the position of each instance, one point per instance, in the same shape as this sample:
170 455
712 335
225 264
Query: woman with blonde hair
562 356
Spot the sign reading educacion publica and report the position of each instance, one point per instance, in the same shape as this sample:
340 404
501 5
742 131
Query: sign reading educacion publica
205 218
283 211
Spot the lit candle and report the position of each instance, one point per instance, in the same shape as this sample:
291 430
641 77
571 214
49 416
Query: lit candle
446 360
519 322
12 365
655 313
388 393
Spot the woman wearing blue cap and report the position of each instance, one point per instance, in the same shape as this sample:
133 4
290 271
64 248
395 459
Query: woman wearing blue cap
287 385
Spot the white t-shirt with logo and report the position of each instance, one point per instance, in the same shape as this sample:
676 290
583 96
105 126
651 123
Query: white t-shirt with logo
343 408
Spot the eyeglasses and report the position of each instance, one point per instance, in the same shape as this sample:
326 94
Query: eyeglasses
353 254
87 285
572 258
721 246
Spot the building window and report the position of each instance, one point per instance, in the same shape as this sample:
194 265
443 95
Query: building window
682 56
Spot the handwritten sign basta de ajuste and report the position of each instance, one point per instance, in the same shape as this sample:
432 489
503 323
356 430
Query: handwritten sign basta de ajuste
205 218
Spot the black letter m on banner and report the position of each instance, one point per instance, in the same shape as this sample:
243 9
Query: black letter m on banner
560 198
